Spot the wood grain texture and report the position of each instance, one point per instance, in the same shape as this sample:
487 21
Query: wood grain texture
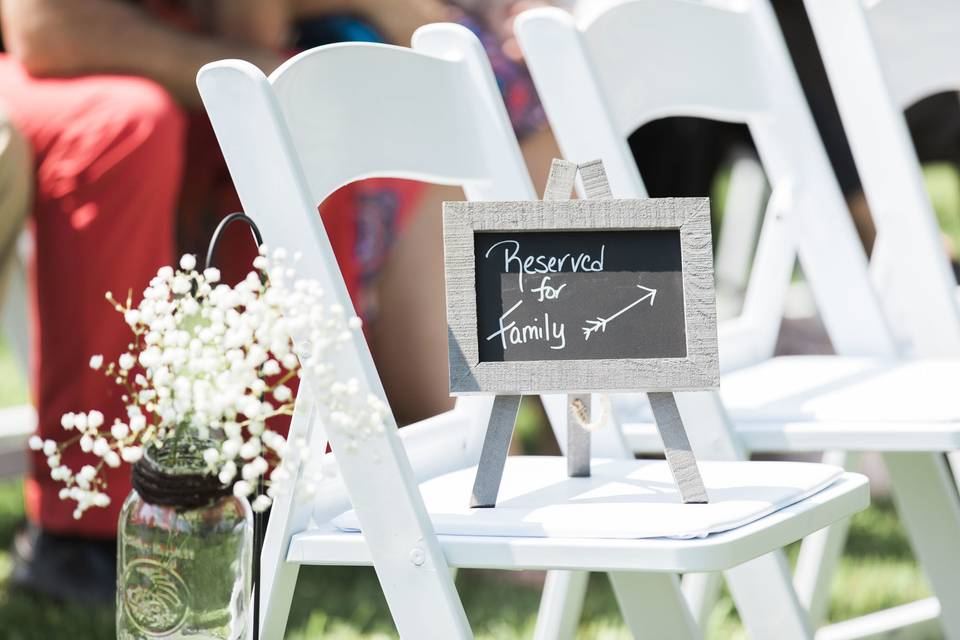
595 183
697 371
680 458
493 456
578 438
563 174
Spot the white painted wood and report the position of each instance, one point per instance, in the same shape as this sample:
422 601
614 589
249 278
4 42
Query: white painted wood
906 622
926 499
286 519
743 209
701 592
13 305
327 545
288 146
594 84
560 605
653 606
17 424
820 553
880 57
635 61
756 597
879 61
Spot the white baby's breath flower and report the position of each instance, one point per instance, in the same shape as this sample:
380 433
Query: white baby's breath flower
126 361
94 419
231 448
261 503
67 421
271 367
131 454
211 354
112 458
228 472
242 488
35 443
137 423
96 362
49 447
119 430
100 447
250 449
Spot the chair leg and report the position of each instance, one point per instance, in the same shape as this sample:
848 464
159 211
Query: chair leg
768 607
820 553
276 604
819 556
561 604
653 605
929 506
701 590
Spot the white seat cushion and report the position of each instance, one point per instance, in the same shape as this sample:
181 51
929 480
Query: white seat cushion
831 389
624 499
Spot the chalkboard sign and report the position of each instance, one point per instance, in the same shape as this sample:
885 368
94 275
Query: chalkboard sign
562 295
580 295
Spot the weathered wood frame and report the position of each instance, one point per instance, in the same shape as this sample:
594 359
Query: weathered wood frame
699 370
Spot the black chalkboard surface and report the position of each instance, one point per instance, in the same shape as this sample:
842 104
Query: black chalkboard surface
579 295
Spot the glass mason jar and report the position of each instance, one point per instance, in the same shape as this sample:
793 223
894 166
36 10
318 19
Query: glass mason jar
185 545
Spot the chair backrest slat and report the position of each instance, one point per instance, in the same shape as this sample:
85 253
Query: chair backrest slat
637 60
917 44
328 117
878 59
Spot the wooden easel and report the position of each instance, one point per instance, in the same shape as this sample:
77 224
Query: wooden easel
496 443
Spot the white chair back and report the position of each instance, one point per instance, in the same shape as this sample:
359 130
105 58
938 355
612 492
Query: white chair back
621 64
882 56
430 113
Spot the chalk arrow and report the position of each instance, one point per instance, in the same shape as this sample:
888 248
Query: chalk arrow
600 324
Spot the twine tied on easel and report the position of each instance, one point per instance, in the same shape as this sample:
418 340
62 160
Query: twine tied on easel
581 413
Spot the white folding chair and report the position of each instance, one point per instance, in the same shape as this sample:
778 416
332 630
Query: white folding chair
343 112
621 64
16 423
881 57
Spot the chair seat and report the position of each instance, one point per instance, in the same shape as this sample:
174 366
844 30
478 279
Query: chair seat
546 520
622 499
811 403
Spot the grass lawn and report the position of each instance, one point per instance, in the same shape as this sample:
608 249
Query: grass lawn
877 569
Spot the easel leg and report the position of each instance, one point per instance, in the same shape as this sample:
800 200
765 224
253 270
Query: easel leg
680 458
493 455
578 438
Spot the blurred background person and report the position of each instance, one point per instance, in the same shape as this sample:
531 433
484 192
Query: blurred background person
128 174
